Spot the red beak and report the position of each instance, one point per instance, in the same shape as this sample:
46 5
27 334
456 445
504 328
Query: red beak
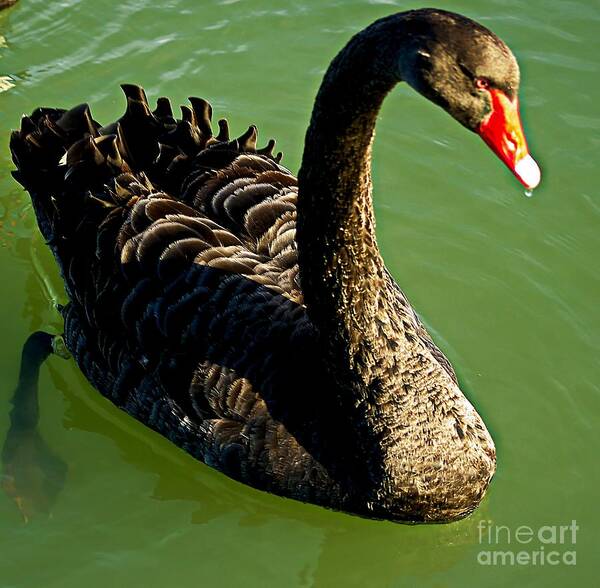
503 132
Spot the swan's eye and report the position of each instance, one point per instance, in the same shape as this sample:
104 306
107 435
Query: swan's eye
482 84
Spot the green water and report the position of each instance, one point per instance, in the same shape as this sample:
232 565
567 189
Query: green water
508 285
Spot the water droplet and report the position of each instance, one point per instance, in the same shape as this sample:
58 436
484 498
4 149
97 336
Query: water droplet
529 193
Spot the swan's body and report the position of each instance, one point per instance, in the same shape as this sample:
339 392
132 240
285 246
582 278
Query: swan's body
249 318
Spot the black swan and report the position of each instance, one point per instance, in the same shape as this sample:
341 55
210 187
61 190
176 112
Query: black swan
248 316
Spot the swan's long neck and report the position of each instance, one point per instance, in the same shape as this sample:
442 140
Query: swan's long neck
342 272
399 413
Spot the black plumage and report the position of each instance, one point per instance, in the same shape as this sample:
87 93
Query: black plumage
258 328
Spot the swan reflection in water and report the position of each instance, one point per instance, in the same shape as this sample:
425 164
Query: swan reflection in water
7 3
32 474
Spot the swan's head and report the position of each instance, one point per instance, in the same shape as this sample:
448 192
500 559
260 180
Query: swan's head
471 73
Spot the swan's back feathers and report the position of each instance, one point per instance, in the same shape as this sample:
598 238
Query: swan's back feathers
238 198
178 252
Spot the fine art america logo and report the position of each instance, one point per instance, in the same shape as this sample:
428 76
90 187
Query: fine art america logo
527 546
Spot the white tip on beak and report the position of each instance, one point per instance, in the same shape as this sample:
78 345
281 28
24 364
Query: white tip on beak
528 172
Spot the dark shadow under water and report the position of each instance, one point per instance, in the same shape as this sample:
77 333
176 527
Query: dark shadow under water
32 474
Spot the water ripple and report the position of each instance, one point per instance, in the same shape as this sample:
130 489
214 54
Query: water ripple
581 122
561 60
